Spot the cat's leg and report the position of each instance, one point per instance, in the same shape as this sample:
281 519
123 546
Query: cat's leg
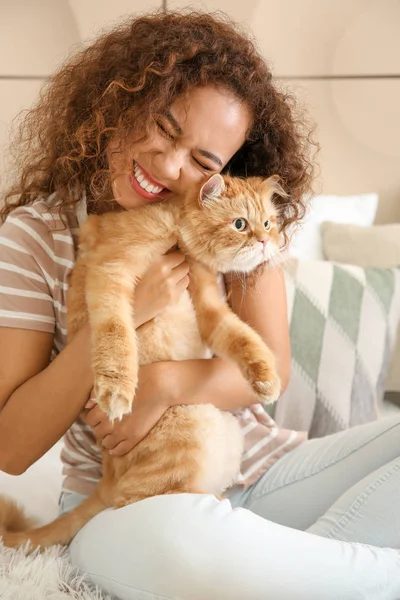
228 336
109 295
117 249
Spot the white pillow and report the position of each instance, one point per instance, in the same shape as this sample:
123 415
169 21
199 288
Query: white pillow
38 489
357 210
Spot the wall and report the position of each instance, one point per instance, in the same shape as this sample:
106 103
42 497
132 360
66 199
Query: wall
94 15
34 38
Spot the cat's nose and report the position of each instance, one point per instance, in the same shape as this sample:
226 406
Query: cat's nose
263 240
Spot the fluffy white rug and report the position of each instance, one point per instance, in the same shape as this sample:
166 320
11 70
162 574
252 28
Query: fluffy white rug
46 576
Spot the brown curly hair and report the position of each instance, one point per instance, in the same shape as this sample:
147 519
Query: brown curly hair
126 79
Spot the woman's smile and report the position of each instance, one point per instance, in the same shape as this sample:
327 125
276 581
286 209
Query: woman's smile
143 184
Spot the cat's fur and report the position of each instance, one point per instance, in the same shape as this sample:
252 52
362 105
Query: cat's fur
194 449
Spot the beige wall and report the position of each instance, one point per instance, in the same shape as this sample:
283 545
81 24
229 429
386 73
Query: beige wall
34 38
358 119
94 15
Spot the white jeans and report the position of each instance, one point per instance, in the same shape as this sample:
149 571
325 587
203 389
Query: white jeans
192 547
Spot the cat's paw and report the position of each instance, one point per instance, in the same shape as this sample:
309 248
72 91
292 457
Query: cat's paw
268 391
265 382
113 398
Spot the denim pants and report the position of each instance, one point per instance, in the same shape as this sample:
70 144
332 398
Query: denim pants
323 523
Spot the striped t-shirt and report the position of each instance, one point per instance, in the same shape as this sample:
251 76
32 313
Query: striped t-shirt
37 252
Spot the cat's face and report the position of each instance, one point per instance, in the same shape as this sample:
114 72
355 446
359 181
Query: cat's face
232 224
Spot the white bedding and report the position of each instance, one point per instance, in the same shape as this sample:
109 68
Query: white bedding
38 489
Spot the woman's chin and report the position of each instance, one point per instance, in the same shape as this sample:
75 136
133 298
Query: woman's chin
126 196
129 199
129 203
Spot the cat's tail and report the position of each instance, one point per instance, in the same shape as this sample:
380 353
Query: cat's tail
12 517
17 530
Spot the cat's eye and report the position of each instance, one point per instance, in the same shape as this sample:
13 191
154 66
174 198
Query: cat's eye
267 225
240 224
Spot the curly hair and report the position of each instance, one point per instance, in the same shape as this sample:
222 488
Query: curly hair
132 74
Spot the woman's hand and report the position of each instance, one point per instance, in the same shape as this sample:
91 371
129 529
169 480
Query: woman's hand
160 287
151 401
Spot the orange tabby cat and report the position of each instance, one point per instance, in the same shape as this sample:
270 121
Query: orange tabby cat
229 225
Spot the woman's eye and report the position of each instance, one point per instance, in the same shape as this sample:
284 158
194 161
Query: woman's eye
201 165
267 224
163 131
239 224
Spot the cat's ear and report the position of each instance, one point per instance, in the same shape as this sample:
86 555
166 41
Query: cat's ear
212 189
272 184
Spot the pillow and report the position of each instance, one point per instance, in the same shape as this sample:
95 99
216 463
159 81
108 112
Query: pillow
38 489
377 246
343 321
361 210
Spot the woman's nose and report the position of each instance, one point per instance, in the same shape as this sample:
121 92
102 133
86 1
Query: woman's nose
168 166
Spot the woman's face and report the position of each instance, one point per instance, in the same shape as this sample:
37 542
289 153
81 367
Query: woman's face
193 140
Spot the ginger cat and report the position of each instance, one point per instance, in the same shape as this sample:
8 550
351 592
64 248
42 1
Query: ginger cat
230 224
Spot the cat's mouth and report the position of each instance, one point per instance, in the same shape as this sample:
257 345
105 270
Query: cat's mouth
250 258
144 185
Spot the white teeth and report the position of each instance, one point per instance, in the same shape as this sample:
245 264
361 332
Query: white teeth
144 184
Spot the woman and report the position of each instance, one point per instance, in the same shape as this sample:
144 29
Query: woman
160 103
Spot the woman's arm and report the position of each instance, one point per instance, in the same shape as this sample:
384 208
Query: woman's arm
263 305
39 401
